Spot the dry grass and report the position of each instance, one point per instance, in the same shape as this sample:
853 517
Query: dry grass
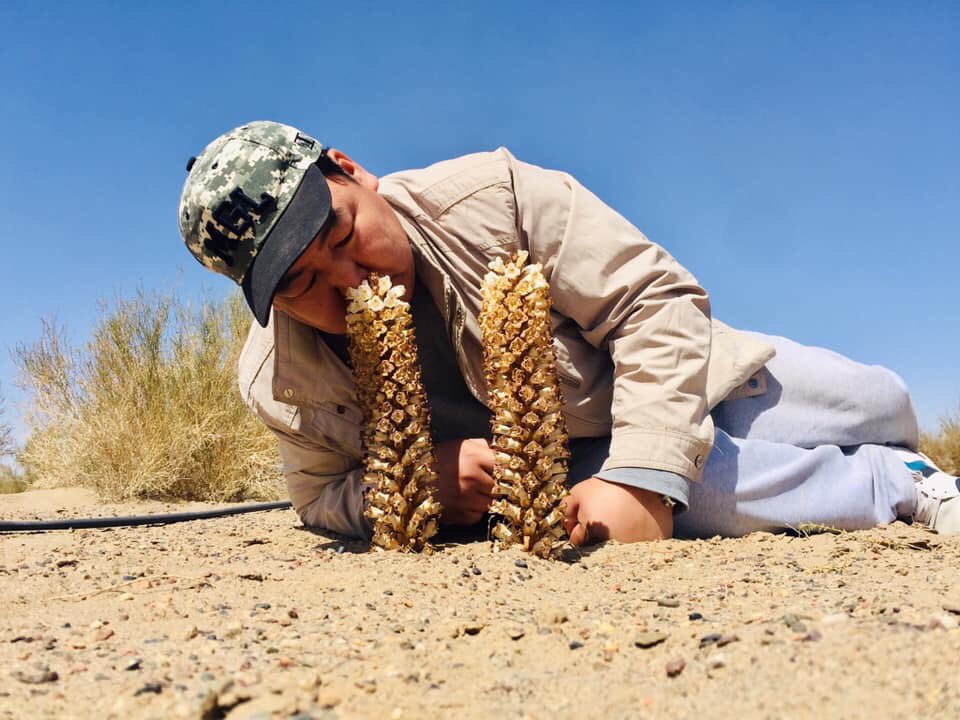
6 433
10 480
944 448
148 408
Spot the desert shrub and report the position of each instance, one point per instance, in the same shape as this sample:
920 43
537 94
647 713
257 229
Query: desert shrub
944 448
10 480
6 432
148 407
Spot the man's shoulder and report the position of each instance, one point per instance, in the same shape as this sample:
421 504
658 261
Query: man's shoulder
436 188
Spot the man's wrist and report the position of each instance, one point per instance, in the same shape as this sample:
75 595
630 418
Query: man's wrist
673 489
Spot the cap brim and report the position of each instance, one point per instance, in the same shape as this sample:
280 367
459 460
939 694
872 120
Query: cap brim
293 232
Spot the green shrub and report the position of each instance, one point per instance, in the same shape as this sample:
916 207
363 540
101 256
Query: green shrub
149 407
944 448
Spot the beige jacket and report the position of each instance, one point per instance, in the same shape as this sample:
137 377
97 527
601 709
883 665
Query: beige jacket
637 353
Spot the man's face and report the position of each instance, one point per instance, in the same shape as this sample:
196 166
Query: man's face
362 236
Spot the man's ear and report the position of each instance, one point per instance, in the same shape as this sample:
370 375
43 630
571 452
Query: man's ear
354 169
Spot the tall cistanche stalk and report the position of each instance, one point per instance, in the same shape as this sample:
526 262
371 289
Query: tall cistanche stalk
398 452
529 433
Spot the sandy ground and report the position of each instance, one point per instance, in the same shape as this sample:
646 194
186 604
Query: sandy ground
255 617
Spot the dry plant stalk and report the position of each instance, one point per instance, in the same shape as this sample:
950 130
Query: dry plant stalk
397 449
530 436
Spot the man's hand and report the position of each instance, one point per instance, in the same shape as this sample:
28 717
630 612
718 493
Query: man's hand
599 510
465 469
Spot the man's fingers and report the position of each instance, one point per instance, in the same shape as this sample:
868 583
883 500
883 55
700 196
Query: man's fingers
487 459
477 485
478 503
571 513
578 536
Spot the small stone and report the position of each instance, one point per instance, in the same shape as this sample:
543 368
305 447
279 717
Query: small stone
126 596
649 639
37 675
550 615
191 633
716 661
942 622
475 570
811 636
473 628
694 616
675 667
262 606
368 685
327 698
515 633
726 640
951 608
134 664
575 645
668 602
794 623
233 630
710 639
150 687
520 563
102 634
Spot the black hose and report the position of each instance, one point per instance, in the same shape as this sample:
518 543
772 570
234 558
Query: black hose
130 520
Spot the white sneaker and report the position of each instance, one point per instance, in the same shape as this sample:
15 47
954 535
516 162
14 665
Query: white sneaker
938 506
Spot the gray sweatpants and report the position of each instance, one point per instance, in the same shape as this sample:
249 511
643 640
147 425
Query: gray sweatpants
811 449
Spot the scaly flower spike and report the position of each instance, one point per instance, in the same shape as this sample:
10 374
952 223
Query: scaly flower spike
397 451
529 433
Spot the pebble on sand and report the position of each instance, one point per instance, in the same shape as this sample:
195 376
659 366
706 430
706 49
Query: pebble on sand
675 667
649 639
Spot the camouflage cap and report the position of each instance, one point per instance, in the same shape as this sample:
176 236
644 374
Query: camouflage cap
253 201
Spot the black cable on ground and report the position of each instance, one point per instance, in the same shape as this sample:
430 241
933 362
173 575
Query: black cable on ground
129 520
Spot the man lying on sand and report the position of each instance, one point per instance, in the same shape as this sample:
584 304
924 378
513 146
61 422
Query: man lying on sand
679 424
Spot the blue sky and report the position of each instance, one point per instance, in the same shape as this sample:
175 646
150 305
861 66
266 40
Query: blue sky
802 159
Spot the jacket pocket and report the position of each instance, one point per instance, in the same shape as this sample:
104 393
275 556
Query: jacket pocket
339 426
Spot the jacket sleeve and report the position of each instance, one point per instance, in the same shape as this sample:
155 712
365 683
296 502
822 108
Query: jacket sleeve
628 296
325 487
